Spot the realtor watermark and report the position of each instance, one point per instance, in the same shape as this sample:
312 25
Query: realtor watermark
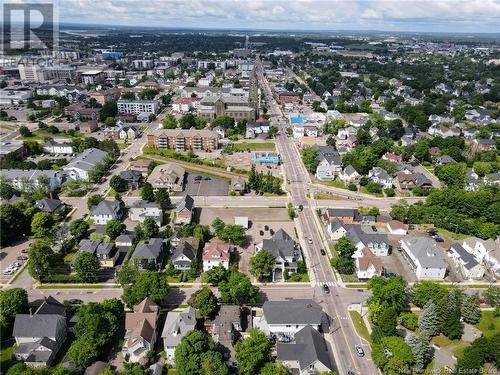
29 27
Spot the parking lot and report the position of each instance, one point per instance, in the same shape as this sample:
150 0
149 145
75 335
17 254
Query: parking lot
9 256
206 186
243 160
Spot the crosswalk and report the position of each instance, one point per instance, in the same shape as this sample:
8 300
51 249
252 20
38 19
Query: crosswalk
329 283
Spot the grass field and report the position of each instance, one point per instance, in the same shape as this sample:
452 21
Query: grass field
489 324
360 325
6 356
448 234
254 146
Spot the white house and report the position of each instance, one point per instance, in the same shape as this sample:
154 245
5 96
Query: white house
216 254
484 252
329 165
52 147
376 242
80 166
424 257
141 210
336 229
31 179
397 227
177 325
368 265
105 211
349 174
381 177
469 267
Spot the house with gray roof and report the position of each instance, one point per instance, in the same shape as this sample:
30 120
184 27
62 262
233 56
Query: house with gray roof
445 159
104 251
149 254
285 251
105 211
289 317
29 180
80 167
424 257
381 177
468 266
53 206
184 211
177 325
307 354
378 243
183 256
141 210
38 337
329 165
349 174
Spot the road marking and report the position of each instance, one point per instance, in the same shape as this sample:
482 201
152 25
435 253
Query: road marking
329 283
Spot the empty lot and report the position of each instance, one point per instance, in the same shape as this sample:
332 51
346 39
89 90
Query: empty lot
207 186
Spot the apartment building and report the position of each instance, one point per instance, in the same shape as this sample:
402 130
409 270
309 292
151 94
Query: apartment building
184 139
138 106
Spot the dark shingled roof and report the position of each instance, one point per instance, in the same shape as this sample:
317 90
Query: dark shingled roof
295 311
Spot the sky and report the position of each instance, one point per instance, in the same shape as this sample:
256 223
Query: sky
478 16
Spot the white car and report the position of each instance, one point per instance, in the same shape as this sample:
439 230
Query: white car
310 240
8 271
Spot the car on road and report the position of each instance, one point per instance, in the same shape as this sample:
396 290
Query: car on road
349 372
75 301
198 178
310 240
24 251
326 289
322 251
22 257
360 351
207 178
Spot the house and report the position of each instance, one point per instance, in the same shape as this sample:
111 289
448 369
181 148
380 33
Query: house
349 174
285 251
381 177
238 184
105 211
376 242
177 325
408 181
39 336
329 165
286 318
140 165
424 257
141 210
185 104
307 355
336 229
254 129
124 241
397 227
62 148
471 180
53 206
149 254
288 97
88 127
82 113
345 133
445 159
140 331
368 265
128 132
492 179
485 252
395 158
216 254
345 215
28 180
168 176
104 251
484 144
132 177
184 211
468 266
183 256
80 167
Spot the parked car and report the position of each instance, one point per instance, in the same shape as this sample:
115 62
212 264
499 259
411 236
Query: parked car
322 251
197 178
360 351
75 301
22 257
196 181
374 228
8 271
310 240
24 251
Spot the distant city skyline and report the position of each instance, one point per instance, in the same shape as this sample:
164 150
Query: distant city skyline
474 16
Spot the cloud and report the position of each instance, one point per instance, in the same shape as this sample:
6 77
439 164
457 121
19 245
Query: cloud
391 15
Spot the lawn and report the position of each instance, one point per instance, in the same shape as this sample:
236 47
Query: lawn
441 341
320 196
364 190
304 278
357 286
335 183
360 325
448 234
253 146
6 356
69 257
489 324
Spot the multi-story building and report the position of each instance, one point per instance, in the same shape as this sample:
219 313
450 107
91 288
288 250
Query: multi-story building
104 96
38 73
184 139
137 106
238 108
30 180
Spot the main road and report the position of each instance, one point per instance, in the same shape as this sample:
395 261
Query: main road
335 303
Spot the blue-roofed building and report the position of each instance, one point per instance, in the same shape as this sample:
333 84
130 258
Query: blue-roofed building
111 55
266 157
296 120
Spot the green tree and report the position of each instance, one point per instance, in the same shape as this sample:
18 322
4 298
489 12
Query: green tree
42 224
94 200
204 301
187 121
42 260
114 228
86 266
110 121
274 368
424 291
387 321
83 352
190 351
78 229
127 274
492 295
150 228
169 122
225 122
310 158
409 320
330 141
234 234
262 264
421 349
453 174
391 291
12 301
147 284
453 327
218 225
238 289
118 184
215 275
6 189
253 352
470 311
213 364
147 193
393 355
427 321
163 198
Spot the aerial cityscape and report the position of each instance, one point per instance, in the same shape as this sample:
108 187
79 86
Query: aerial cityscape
256 188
